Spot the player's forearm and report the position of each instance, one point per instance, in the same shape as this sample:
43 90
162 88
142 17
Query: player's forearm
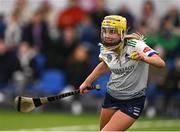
99 70
155 60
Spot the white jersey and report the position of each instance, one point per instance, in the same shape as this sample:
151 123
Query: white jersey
128 77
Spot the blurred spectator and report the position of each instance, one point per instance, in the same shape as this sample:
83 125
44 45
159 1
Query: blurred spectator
2 26
59 52
49 15
98 15
13 30
69 40
36 67
23 77
55 55
87 31
174 15
71 16
125 12
25 13
25 55
171 85
9 64
173 78
47 12
78 66
166 37
148 19
157 75
36 32
156 80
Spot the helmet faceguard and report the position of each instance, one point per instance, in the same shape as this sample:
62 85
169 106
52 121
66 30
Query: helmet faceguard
113 29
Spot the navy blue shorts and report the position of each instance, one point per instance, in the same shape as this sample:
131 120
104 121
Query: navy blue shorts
132 107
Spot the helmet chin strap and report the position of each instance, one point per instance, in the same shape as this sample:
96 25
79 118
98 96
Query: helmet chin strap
122 36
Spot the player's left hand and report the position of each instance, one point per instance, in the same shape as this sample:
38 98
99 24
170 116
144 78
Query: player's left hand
135 55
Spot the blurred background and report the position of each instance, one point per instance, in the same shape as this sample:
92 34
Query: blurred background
49 47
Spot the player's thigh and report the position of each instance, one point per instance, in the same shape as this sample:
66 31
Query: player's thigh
119 122
106 114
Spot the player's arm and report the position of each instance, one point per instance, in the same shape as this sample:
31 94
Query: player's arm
144 53
154 60
99 70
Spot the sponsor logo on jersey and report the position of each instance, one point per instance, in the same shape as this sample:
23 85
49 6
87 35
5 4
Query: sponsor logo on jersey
109 57
146 49
123 71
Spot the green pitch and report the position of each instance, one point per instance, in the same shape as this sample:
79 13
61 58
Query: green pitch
63 122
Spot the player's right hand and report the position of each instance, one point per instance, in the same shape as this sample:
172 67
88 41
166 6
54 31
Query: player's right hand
83 87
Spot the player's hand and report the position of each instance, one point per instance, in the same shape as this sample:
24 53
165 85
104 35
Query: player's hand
135 55
83 87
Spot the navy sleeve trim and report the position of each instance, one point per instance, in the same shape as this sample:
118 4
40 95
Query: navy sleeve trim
152 53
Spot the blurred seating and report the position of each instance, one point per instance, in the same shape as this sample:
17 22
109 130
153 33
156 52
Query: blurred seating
40 60
52 81
170 63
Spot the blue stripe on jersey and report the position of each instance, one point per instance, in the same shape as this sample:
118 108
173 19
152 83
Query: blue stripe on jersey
151 54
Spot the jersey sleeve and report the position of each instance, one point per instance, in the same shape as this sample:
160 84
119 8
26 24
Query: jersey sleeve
143 48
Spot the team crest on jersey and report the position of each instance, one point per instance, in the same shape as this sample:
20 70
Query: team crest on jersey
109 57
127 57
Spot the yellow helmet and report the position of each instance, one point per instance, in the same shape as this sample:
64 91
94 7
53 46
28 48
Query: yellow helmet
116 21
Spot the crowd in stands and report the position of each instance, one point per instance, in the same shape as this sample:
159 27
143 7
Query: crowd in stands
39 48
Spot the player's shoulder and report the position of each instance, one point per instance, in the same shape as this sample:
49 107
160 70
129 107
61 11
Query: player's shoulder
101 46
104 49
134 42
